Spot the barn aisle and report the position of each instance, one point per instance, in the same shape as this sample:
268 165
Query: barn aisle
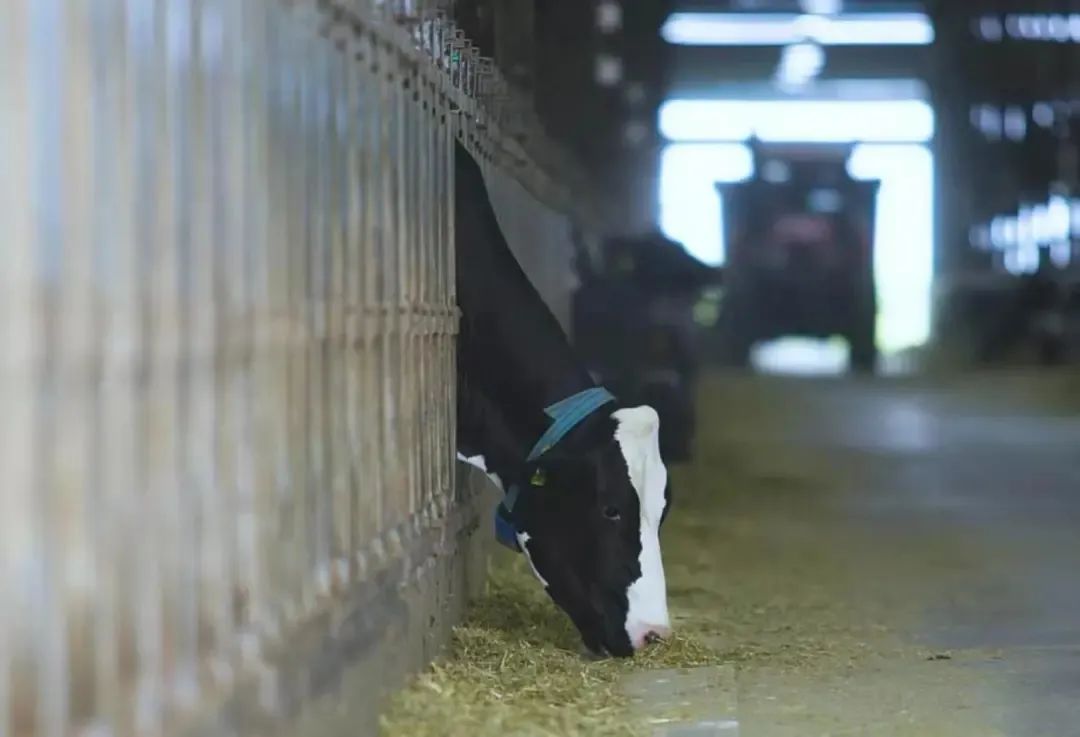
886 557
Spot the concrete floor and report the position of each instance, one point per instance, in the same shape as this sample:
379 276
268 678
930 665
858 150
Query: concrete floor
891 557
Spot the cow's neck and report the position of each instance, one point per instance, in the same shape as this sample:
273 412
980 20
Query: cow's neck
522 372
513 355
483 430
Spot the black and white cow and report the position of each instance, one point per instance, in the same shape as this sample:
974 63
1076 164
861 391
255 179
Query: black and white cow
586 489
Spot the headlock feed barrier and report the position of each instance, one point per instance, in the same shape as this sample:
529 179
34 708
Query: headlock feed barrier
227 324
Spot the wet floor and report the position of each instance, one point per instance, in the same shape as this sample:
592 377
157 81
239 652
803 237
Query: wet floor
896 557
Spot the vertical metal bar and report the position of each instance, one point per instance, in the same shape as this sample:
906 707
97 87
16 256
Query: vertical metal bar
234 464
338 395
374 324
424 265
268 392
426 209
123 362
440 411
107 231
443 123
280 506
319 301
297 498
305 377
19 340
435 414
153 376
434 419
254 482
389 455
450 357
423 268
202 333
218 497
74 459
401 488
409 271
332 305
181 604
352 267
47 57
313 300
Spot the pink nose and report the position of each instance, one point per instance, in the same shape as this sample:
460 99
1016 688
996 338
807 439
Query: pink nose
649 634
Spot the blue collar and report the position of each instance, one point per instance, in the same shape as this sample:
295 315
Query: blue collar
566 415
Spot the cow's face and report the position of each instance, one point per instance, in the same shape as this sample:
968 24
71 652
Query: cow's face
590 528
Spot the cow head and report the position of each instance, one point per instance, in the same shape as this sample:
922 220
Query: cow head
589 524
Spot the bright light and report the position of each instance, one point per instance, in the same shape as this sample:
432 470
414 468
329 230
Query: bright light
690 210
990 28
1014 123
788 121
800 357
903 239
1057 217
779 29
608 70
979 237
821 7
799 64
1061 254
1021 237
1004 231
1043 114
1057 28
609 16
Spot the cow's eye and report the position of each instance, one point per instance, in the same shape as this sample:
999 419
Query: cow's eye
612 513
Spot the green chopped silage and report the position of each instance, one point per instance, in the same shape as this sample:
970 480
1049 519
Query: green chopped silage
516 667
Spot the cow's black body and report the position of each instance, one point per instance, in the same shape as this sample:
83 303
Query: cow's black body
512 352
581 526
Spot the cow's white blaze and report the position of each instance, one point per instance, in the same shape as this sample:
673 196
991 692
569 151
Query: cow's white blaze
638 435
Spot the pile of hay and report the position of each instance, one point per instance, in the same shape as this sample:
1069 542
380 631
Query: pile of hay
516 667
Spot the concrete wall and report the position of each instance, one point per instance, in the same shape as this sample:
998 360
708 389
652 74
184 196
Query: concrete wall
335 677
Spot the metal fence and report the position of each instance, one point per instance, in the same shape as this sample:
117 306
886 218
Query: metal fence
226 329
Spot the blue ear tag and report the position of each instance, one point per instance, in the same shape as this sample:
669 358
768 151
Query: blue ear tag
505 532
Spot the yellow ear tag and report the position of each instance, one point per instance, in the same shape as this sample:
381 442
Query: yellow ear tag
538 478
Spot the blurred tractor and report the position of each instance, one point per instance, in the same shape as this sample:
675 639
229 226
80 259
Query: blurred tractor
800 258
633 325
